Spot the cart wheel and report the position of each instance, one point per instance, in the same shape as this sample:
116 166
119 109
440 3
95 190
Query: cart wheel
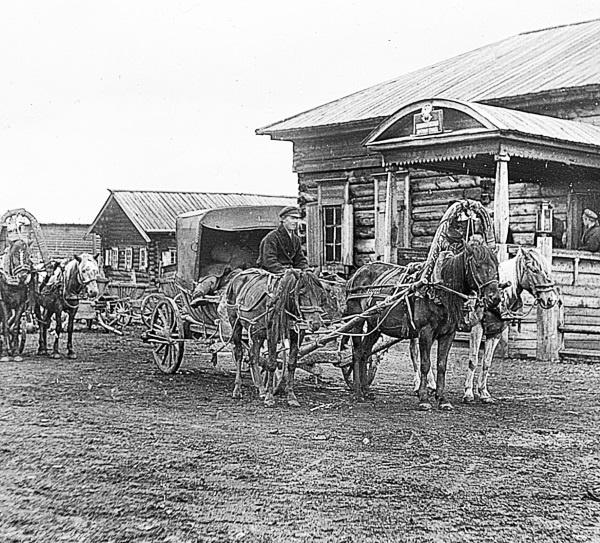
147 308
348 372
166 326
120 314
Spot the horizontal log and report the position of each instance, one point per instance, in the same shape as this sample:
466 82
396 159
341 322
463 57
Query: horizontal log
364 232
364 218
428 212
439 197
443 183
570 300
361 191
422 242
362 259
365 246
363 204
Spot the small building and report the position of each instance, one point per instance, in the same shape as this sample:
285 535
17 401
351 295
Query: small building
137 228
63 240
515 125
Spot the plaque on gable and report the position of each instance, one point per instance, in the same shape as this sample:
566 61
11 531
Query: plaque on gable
429 121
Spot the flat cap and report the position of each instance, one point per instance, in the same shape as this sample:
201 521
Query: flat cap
590 214
289 211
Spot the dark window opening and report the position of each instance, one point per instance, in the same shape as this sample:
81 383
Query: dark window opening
332 229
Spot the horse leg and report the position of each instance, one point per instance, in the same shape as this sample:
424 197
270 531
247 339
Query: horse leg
5 342
474 344
70 352
271 366
413 348
257 343
367 348
238 355
16 329
44 323
444 344
488 355
425 343
295 341
58 331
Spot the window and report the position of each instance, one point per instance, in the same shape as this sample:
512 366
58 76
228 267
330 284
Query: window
143 266
332 230
128 259
169 257
111 257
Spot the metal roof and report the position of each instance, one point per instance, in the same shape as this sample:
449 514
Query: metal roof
157 211
533 62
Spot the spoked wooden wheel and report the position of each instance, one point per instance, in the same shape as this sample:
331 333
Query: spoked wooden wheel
372 364
166 334
118 314
148 305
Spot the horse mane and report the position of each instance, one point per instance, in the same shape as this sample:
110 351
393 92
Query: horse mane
284 299
453 272
453 276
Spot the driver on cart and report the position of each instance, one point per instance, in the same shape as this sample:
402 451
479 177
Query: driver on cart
281 248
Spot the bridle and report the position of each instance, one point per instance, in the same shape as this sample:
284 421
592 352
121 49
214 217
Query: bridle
480 286
536 288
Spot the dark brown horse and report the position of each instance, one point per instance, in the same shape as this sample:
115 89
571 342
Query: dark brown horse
15 289
60 293
277 309
433 312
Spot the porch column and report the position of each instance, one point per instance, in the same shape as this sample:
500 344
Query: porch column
501 213
547 319
389 216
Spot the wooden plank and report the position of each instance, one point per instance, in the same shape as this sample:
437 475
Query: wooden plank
581 302
444 182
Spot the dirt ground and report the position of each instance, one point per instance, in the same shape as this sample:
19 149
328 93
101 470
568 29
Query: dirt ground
106 449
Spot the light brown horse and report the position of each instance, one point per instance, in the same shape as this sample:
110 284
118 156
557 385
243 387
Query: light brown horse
275 308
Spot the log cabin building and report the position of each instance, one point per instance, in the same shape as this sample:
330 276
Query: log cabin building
137 228
515 125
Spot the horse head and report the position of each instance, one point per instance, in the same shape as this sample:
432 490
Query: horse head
17 262
87 274
534 275
310 299
482 272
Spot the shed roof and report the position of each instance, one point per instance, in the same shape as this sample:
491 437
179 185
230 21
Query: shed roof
157 211
562 57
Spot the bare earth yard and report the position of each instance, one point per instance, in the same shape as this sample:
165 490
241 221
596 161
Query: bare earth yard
106 449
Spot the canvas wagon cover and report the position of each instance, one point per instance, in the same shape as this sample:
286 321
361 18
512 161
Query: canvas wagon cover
231 219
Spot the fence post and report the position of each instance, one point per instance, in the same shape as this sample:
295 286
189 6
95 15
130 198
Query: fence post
547 319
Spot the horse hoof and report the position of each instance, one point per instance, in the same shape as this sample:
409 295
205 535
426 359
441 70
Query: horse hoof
293 402
487 400
468 399
5 359
446 406
18 358
269 402
55 356
237 394
71 356
42 353
424 406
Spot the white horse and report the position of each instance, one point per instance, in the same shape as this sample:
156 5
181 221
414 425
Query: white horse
529 271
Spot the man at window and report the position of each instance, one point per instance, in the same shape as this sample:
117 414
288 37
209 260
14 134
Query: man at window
281 249
590 239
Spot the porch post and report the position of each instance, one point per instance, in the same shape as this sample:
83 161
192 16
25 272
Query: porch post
389 216
501 213
547 319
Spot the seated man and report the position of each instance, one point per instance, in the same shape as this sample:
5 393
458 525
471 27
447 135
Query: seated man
281 249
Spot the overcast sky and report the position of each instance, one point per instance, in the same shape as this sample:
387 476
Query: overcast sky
166 94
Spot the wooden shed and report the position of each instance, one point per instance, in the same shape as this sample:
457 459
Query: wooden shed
138 228
510 124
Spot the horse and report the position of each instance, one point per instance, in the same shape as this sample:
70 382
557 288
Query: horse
274 308
60 292
529 271
433 311
15 289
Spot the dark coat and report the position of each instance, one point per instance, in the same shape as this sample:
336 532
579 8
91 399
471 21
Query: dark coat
590 241
279 251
